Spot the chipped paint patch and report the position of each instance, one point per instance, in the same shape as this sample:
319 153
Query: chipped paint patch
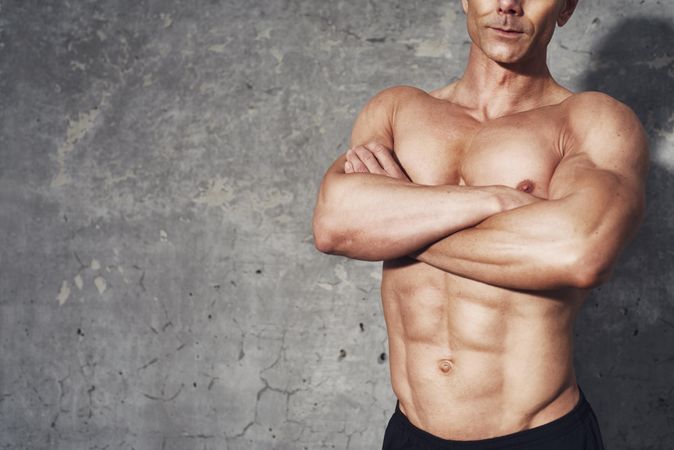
163 236
264 33
271 198
77 129
76 65
277 54
78 281
64 293
166 20
95 265
341 273
218 48
101 284
435 48
217 194
659 63
663 154
325 286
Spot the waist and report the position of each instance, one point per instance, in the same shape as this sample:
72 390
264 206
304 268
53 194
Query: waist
572 415
463 353
464 394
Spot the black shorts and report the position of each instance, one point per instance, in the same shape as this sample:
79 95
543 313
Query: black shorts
576 430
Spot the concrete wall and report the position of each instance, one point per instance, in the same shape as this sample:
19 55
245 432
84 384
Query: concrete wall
159 161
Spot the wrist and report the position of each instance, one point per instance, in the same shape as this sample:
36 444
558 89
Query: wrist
466 206
490 200
494 199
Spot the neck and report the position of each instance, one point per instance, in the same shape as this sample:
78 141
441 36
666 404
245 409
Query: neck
493 89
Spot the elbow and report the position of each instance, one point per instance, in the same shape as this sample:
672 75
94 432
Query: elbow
591 269
326 223
325 235
588 279
324 243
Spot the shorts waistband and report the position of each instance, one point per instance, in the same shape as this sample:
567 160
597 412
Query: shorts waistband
550 430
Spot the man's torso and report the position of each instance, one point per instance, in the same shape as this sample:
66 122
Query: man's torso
471 360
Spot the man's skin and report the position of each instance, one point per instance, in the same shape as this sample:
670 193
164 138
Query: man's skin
496 204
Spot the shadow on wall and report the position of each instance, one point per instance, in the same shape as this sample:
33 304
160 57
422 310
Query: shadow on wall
634 63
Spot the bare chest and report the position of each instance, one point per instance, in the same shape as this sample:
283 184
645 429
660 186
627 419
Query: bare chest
520 151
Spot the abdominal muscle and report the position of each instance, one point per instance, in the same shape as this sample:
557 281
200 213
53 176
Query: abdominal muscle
471 361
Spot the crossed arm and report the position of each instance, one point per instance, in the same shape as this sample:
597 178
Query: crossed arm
374 215
368 209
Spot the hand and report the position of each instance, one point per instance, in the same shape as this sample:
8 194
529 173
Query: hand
373 158
509 198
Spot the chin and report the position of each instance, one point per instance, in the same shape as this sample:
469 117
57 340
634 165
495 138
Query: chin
505 58
505 55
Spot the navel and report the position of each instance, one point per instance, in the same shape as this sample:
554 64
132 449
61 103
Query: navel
526 186
445 365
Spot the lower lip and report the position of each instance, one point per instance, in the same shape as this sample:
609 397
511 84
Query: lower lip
510 34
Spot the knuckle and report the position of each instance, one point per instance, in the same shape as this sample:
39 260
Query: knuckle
364 154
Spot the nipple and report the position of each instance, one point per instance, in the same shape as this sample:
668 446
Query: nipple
526 186
445 365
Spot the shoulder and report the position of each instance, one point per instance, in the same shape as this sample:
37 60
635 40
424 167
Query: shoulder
394 96
606 129
375 120
594 110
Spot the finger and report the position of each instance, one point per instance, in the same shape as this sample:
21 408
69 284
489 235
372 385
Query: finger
386 160
356 163
368 158
348 167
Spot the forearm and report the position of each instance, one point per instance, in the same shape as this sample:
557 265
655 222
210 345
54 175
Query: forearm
533 247
373 217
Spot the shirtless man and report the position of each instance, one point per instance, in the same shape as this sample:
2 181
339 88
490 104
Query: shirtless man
496 203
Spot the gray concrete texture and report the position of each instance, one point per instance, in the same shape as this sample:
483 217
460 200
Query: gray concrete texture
159 287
